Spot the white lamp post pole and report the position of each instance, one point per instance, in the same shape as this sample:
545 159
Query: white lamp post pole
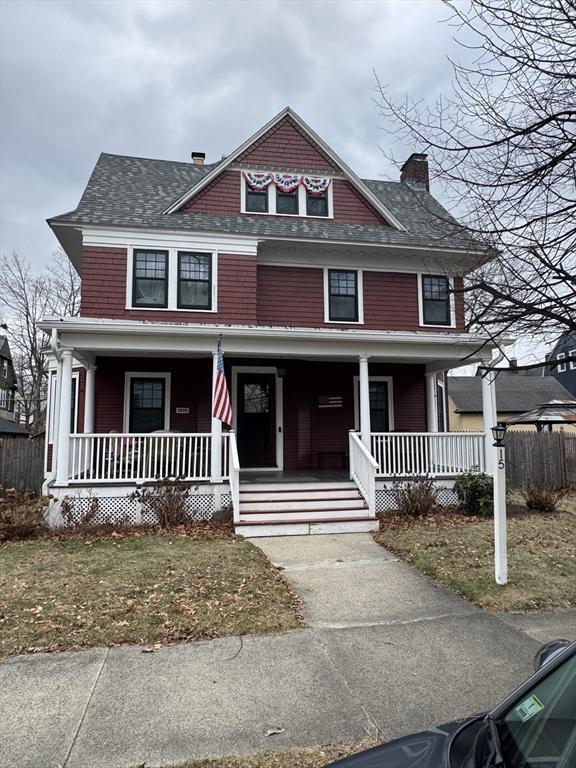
500 547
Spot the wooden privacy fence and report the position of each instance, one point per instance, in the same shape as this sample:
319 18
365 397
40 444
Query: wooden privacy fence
541 456
21 463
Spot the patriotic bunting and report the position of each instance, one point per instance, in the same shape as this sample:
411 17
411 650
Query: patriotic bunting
258 181
287 182
315 185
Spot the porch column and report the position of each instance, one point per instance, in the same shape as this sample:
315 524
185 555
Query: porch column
55 417
432 401
89 397
216 432
63 444
365 403
490 417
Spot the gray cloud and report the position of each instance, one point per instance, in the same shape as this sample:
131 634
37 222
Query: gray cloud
158 79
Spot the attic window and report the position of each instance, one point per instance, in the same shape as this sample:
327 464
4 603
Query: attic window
286 194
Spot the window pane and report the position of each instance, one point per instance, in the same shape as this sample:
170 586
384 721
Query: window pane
194 294
435 287
150 277
436 299
379 421
287 202
194 280
343 308
150 264
317 205
150 292
343 283
343 290
256 202
195 266
256 398
147 405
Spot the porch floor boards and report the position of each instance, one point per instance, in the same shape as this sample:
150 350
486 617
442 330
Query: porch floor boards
304 476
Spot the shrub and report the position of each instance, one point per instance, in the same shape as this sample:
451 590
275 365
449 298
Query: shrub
22 516
416 497
167 500
542 496
74 519
475 491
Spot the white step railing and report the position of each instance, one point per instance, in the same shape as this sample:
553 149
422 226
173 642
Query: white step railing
435 454
363 469
132 458
234 465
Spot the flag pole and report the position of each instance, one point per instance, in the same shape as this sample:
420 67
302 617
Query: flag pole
216 429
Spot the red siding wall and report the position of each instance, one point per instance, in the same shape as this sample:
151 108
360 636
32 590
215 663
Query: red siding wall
308 429
294 296
287 145
351 207
221 196
104 290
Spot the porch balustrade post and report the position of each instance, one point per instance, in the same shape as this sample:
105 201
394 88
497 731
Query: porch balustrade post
490 417
365 429
63 441
432 401
216 432
89 399
55 417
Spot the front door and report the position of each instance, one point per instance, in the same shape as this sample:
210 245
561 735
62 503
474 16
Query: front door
256 419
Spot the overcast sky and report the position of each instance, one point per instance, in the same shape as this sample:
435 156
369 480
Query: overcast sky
160 78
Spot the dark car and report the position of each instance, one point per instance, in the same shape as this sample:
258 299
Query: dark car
534 727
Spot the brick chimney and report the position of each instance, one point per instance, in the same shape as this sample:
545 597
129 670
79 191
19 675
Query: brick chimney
415 171
198 158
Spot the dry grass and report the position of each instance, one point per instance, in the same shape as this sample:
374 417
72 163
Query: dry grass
312 757
457 551
79 591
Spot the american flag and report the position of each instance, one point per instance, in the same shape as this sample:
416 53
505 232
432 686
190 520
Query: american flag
222 407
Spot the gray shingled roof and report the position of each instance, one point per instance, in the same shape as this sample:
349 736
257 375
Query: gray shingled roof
514 394
133 191
8 427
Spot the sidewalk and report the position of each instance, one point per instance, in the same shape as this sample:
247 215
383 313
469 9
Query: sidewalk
410 656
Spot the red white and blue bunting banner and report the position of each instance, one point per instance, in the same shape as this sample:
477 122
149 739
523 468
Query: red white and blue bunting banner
258 181
316 186
287 182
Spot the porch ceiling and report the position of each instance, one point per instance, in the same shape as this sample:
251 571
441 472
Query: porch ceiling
92 337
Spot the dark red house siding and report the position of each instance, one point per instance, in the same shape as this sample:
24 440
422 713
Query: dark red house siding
104 290
285 144
294 296
351 207
308 429
221 196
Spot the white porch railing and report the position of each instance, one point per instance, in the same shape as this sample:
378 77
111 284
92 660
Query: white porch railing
363 469
436 454
132 458
234 464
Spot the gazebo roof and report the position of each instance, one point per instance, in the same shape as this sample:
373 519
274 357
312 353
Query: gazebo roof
553 412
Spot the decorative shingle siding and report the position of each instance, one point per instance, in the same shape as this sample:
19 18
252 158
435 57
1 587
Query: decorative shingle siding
351 207
104 290
287 145
221 196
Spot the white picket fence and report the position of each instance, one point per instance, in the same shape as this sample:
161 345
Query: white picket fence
436 454
132 458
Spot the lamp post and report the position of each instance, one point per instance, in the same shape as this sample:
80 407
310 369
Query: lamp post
499 475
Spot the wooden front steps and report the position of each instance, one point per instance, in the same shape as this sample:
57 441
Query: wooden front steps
296 508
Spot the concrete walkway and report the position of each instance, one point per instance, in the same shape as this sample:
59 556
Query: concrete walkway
386 651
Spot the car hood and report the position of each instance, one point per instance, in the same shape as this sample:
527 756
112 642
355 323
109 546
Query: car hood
428 749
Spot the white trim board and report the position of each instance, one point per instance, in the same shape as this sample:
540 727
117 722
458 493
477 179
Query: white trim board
390 381
128 376
236 369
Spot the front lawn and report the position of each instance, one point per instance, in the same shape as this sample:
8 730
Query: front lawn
458 551
137 587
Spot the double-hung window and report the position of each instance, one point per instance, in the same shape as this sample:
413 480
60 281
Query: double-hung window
343 295
436 309
316 205
561 368
287 202
150 278
256 200
194 280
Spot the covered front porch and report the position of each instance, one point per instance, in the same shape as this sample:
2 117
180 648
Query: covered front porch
370 411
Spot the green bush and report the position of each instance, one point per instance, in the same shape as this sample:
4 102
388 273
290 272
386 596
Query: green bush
416 497
475 491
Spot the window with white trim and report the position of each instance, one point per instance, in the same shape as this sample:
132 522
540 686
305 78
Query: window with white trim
286 194
343 295
194 280
150 278
436 300
572 353
561 367
6 399
146 401
316 205
4 369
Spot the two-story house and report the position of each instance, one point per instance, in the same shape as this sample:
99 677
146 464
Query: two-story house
339 304
8 386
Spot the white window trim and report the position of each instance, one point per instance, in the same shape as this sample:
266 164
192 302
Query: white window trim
236 369
360 286
172 281
561 367
572 353
128 376
389 380
421 302
271 190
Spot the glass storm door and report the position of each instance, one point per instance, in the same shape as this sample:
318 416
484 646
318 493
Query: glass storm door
256 417
379 415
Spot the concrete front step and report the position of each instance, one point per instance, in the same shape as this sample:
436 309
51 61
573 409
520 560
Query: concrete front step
281 505
305 527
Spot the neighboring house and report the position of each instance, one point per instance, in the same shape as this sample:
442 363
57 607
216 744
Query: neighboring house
338 303
9 428
516 393
565 372
7 381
